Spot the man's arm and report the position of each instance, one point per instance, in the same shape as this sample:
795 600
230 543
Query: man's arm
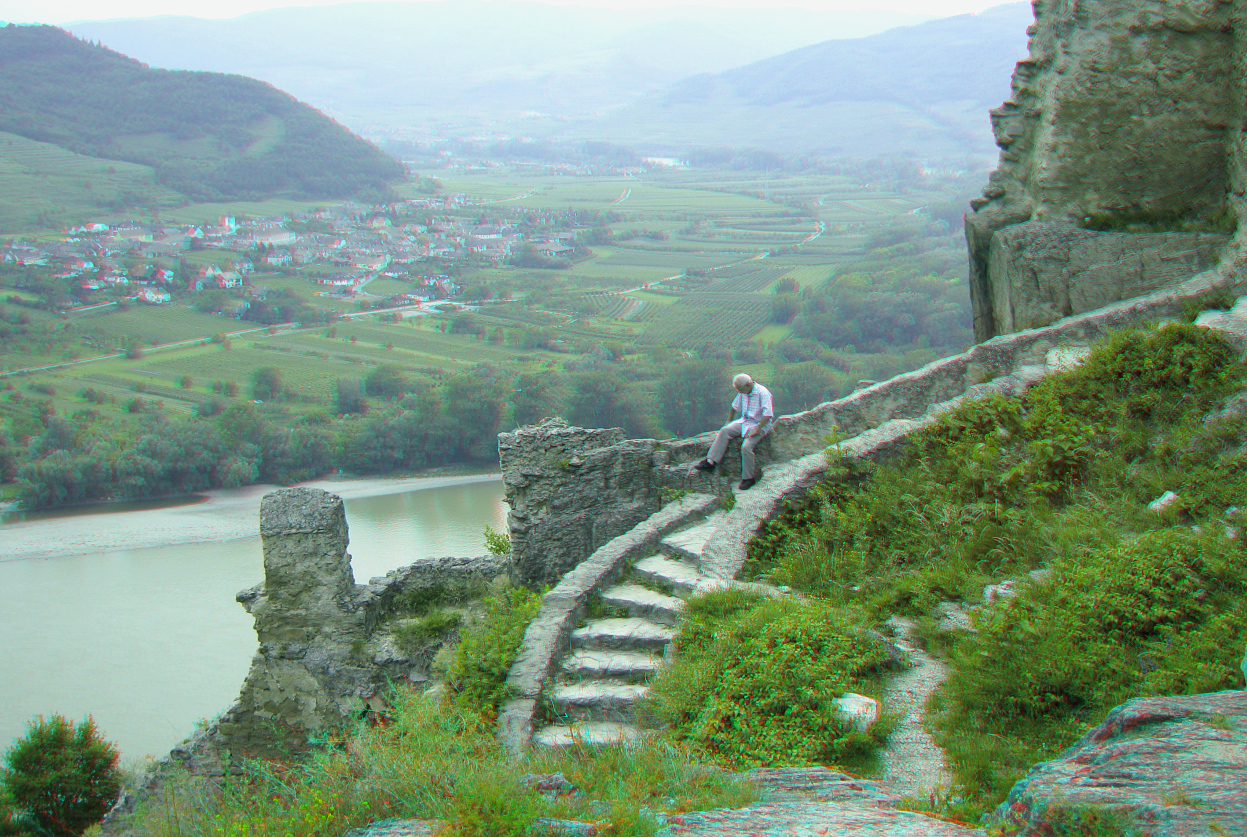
760 426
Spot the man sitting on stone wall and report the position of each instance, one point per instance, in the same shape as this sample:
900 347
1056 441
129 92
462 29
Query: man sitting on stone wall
753 405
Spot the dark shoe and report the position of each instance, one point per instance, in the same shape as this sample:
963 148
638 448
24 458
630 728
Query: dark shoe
745 485
705 465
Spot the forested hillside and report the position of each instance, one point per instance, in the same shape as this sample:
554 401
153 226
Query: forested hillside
207 136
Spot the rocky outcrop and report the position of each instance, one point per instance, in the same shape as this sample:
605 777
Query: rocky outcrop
1162 766
1043 271
1126 112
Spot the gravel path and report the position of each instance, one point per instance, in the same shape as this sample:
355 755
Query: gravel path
912 761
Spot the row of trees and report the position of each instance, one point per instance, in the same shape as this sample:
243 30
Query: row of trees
420 424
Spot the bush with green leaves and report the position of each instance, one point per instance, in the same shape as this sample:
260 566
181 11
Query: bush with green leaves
60 778
1159 614
756 679
478 669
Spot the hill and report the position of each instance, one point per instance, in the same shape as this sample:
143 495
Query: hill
46 186
206 136
409 64
921 89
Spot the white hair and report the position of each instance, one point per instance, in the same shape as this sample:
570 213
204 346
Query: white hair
741 381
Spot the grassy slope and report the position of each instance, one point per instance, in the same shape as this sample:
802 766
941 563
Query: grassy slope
46 186
1133 602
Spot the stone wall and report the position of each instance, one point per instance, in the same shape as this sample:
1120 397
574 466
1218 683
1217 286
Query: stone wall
325 649
1124 111
567 500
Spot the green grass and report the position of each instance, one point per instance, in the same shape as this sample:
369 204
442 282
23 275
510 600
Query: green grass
46 187
434 762
160 324
756 679
771 333
1134 602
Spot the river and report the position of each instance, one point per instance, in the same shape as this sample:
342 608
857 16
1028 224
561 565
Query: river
127 613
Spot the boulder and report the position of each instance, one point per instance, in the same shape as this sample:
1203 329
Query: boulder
1160 766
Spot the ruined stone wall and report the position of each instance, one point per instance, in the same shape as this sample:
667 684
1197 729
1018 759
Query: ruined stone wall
325 646
1126 114
570 491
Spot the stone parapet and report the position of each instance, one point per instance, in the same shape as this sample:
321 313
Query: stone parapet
622 481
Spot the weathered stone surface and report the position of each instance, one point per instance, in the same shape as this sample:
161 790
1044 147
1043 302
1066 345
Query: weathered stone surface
1041 272
813 802
1123 108
324 645
570 491
1164 766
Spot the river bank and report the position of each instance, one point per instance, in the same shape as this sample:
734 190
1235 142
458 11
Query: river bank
221 515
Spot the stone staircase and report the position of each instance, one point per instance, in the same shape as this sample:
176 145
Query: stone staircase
597 694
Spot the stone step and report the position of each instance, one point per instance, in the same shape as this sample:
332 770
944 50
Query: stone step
588 734
630 666
623 634
660 570
639 601
687 544
597 700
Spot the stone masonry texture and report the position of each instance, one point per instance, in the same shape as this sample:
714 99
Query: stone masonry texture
1124 109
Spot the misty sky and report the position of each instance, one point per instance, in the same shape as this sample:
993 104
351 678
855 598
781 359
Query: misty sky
64 11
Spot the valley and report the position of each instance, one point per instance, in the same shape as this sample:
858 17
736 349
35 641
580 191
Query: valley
600 285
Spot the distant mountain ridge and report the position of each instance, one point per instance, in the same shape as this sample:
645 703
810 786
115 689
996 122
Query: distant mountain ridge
401 64
922 89
207 136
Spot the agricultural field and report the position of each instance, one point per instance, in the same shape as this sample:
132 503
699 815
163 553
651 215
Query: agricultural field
713 248
156 325
45 186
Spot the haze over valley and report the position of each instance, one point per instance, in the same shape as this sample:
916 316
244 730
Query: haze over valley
786 79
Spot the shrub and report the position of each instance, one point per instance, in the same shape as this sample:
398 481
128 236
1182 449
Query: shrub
480 664
1156 615
415 633
755 680
63 776
498 543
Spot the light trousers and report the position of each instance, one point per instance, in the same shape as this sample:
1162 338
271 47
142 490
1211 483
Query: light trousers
735 430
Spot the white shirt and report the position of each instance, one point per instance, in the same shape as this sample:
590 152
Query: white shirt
752 406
